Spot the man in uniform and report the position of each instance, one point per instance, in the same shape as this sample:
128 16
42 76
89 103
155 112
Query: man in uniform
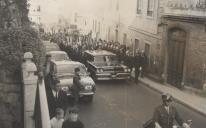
165 114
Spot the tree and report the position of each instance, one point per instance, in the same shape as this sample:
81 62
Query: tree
13 13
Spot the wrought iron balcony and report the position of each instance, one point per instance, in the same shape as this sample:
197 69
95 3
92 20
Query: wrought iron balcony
186 4
201 4
185 7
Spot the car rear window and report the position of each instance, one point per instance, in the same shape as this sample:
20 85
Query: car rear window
59 56
69 69
104 59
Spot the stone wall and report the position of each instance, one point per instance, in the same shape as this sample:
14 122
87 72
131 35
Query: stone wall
195 55
10 106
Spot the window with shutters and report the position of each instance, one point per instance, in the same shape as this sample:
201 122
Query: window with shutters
201 4
150 8
39 9
139 7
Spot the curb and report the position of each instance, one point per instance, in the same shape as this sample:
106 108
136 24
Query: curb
176 99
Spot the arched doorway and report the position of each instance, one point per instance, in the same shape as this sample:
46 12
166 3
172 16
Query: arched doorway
176 52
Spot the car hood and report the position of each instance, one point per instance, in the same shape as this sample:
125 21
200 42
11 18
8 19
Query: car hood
86 81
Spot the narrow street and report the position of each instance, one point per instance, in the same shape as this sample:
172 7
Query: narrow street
126 105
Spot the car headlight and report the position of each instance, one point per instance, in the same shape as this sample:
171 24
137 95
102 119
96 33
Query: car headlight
65 89
100 70
89 87
127 70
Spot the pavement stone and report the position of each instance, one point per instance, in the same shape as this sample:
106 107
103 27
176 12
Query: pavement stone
191 100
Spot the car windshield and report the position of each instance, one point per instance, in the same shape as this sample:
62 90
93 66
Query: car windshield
52 47
59 56
106 59
69 69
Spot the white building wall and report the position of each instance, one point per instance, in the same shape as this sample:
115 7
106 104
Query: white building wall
35 11
142 22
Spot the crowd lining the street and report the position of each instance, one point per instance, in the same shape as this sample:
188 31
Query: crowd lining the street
75 45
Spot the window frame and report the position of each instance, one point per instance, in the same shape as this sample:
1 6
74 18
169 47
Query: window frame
138 7
150 8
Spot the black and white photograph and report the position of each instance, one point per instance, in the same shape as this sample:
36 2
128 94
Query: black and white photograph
102 63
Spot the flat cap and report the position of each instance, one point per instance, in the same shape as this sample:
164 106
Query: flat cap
74 110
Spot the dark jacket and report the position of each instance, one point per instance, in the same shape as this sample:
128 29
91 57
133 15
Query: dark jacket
137 62
70 124
60 102
76 83
166 119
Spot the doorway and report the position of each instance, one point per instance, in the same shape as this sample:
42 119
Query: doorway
176 54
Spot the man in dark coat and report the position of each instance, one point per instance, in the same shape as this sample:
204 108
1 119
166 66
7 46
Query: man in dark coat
165 114
57 98
137 66
47 75
76 86
143 63
73 121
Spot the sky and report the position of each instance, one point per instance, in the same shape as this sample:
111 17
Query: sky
53 9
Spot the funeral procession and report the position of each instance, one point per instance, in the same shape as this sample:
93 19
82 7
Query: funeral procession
103 63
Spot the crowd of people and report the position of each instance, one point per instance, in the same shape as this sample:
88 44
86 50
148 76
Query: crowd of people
164 115
75 45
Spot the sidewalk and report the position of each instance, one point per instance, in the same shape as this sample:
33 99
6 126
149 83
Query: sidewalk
191 100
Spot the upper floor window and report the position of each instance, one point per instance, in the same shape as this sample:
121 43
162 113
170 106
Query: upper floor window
150 8
38 9
139 9
201 4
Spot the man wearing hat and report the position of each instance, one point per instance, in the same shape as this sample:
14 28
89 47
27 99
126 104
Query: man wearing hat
165 114
73 119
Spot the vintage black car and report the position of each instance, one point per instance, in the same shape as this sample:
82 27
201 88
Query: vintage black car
104 65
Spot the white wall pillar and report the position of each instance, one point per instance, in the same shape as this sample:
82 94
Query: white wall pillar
29 89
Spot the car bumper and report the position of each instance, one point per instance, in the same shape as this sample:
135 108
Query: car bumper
81 94
118 76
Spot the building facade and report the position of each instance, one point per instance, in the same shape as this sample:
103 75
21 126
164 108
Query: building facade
184 38
35 11
112 24
146 33
172 34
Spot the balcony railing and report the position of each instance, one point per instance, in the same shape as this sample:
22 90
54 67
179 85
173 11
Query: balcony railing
201 4
185 7
186 4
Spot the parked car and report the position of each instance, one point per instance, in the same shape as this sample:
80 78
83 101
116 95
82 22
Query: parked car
63 71
58 55
104 65
49 46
